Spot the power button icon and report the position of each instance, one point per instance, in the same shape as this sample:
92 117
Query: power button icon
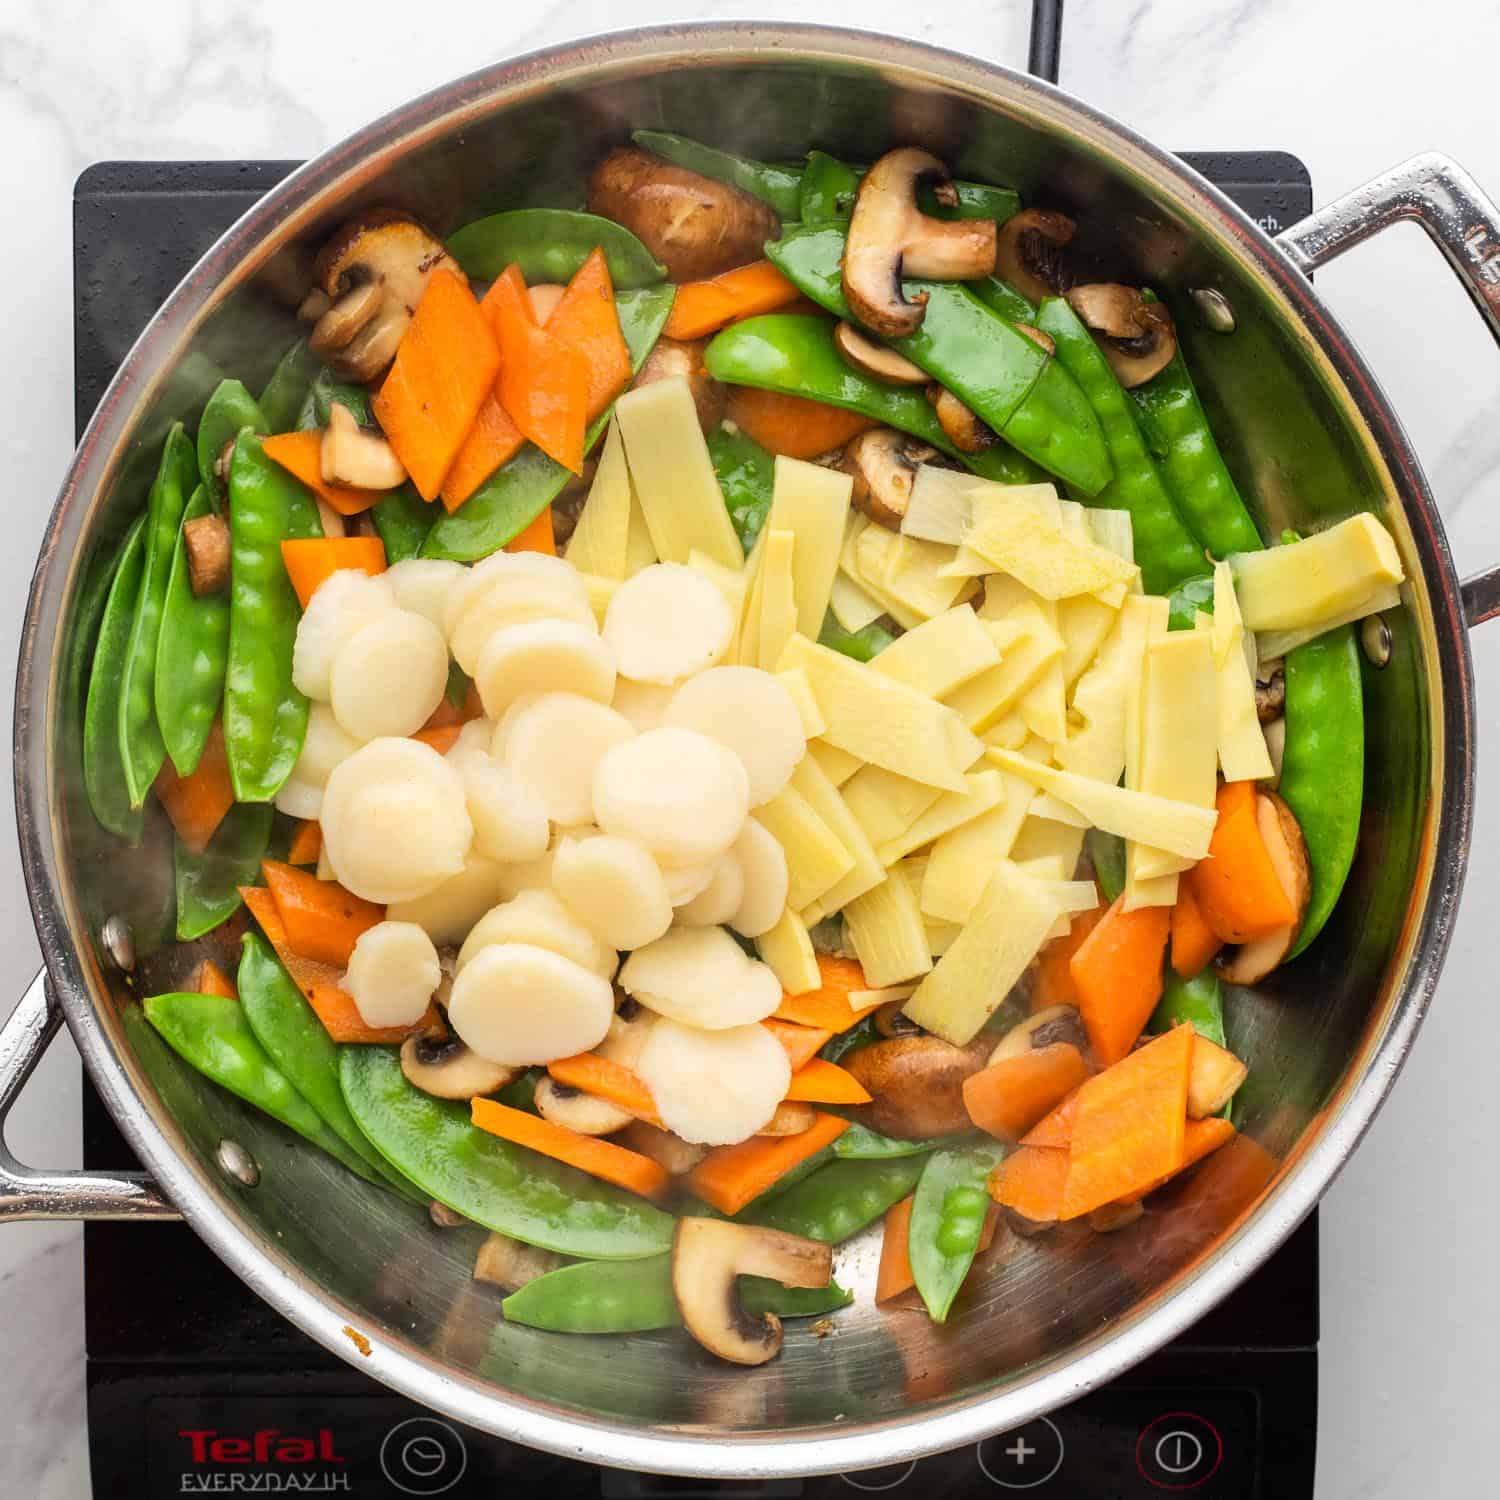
1179 1451
423 1456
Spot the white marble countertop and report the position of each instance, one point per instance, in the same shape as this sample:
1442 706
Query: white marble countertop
1410 1299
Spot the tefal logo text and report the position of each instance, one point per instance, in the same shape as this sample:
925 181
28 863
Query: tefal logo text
268 1445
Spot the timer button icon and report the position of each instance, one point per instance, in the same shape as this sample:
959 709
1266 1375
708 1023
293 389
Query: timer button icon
1179 1451
423 1456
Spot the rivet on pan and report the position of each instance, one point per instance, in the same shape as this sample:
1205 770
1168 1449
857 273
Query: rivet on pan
1214 311
1375 637
238 1163
118 944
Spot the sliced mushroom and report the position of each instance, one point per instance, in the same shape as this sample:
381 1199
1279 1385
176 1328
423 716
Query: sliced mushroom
708 1255
695 226
1275 733
445 1068
1028 1229
1214 1079
359 456
891 238
670 1152
792 1117
961 426
883 475
1282 836
585 1113
875 360
223 461
672 359
1029 255
445 1217
1057 1023
508 1263
206 541
313 305
341 320
1043 341
892 1021
1270 689
1137 337
392 252
917 1083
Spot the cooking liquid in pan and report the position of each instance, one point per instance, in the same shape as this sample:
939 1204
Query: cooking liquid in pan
197 1387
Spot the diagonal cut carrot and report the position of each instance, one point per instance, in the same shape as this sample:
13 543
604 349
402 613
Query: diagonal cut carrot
1007 1098
704 307
209 979
537 537
1194 942
585 320
1236 887
301 454
321 919
1118 975
828 1007
493 440
1055 1129
801 1043
1031 1181
823 1082
603 1159
307 843
197 804
729 1177
309 561
609 1080
793 426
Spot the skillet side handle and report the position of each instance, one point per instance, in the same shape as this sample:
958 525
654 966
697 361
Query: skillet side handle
28 1194
1461 220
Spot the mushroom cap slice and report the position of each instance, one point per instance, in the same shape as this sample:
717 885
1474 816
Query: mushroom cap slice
917 1083
576 1110
447 1069
962 426
386 248
1057 1023
1029 252
891 238
707 1256
876 360
1138 337
1282 835
883 475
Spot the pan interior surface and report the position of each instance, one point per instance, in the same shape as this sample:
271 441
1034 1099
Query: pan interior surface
1307 438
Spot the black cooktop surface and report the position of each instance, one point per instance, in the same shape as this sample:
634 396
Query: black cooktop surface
195 1386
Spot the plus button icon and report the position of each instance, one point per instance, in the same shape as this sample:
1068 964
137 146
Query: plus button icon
1025 1458
1021 1450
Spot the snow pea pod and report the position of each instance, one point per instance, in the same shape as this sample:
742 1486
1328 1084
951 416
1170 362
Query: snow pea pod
208 884
1323 767
287 389
328 391
210 1032
1189 600
829 187
796 355
402 519
521 489
771 183
229 408
103 765
296 1041
192 654
504 1187
635 1296
1013 385
842 1199
746 474
860 1143
864 644
550 244
265 717
1199 1000
947 1219
1191 465
141 747
1001 297
1164 548
1107 851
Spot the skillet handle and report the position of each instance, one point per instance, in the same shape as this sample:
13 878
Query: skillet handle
28 1194
1461 220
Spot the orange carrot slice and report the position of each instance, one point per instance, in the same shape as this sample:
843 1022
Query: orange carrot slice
319 981
730 1176
823 1082
1236 887
828 1007
1118 974
311 560
307 843
1031 1181
493 440
1009 1097
442 738
1194 942
447 713
537 537
1131 1125
209 979
608 1080
197 804
1056 1129
603 1159
801 1043
322 920
793 425
895 1274
543 383
444 368
585 320
703 307
1053 984
301 454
